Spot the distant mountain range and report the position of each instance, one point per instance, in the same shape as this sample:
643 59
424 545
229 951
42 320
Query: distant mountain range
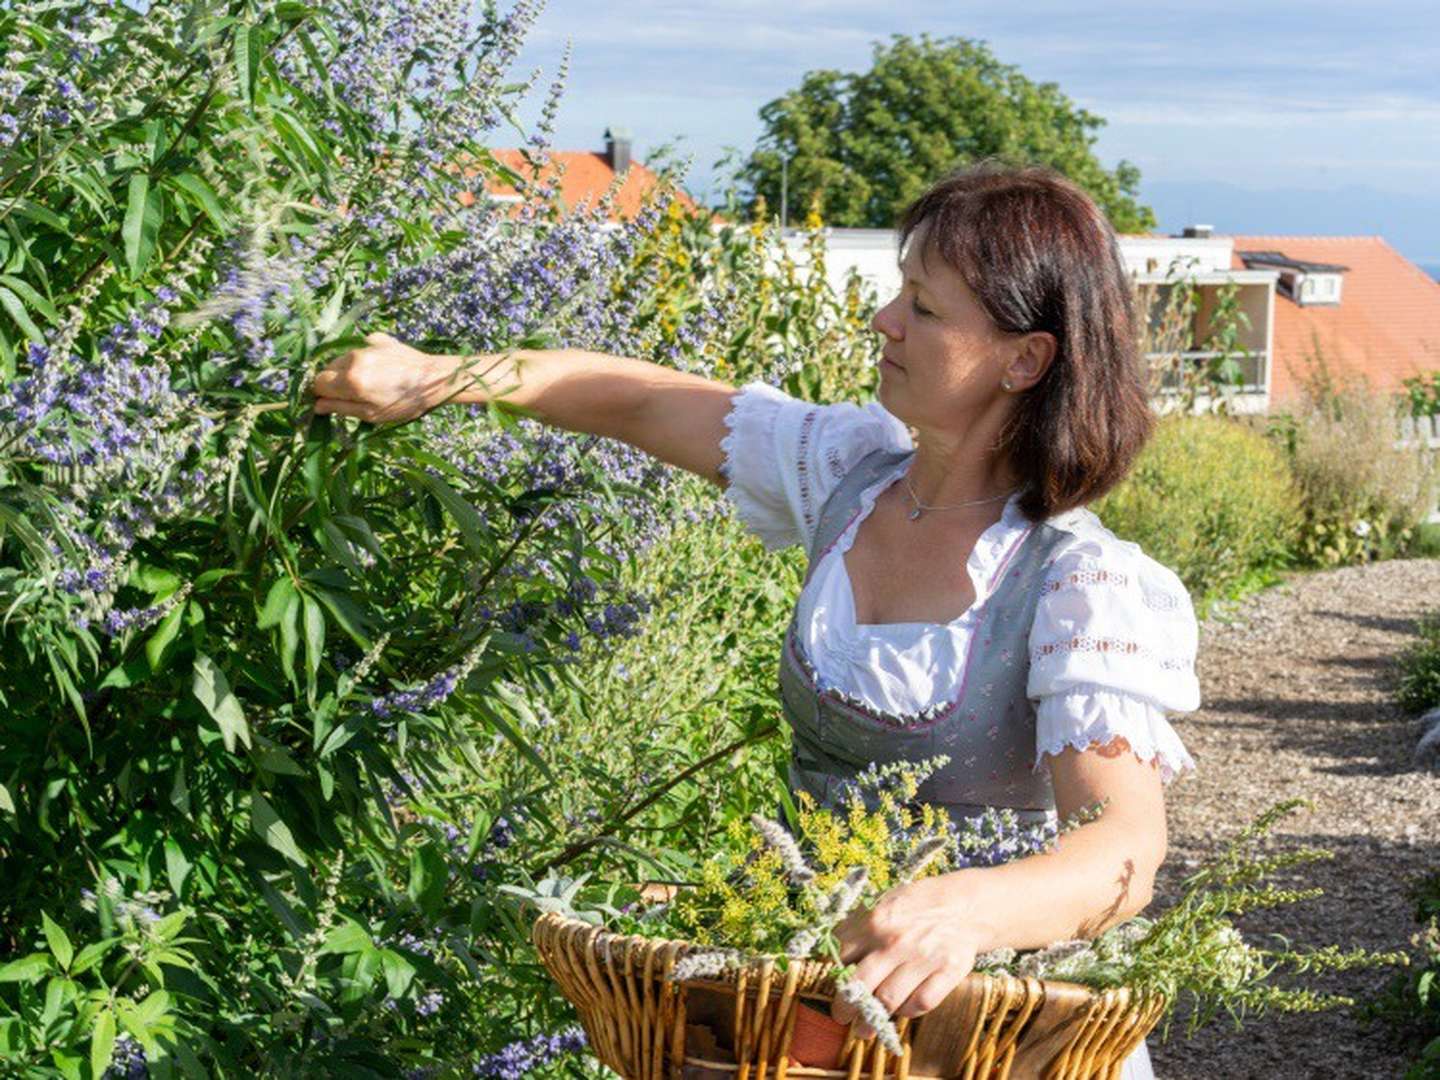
1409 222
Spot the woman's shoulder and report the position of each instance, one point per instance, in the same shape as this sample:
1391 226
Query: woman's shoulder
783 456
1086 546
1109 617
1086 554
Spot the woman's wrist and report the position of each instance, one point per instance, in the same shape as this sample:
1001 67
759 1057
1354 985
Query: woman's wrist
973 898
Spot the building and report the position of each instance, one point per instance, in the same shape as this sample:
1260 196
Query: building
584 176
1354 301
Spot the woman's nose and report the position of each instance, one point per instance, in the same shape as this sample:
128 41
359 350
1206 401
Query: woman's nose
885 322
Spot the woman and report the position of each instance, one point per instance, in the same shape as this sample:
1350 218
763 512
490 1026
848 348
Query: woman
960 599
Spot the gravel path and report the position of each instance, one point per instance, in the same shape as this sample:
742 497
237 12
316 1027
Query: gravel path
1297 689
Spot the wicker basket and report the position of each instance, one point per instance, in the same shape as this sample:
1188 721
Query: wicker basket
740 1026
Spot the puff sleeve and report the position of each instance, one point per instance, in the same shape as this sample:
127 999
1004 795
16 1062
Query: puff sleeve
1112 650
784 456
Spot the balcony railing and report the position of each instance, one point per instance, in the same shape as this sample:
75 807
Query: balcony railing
1253 368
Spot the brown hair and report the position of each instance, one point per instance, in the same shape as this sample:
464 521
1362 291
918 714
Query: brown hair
1039 255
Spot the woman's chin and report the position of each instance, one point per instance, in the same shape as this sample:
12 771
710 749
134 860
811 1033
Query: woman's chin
888 391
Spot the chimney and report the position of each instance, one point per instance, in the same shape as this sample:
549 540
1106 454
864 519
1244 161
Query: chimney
617 148
1198 232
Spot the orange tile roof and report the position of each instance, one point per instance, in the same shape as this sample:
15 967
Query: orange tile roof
1385 328
586 177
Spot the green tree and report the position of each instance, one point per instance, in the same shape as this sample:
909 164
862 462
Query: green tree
866 144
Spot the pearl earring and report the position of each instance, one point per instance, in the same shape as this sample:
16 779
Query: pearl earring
1006 385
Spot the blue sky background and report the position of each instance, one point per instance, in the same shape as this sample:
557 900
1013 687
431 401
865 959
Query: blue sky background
1321 117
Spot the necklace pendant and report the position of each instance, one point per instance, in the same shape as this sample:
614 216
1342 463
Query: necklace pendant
914 515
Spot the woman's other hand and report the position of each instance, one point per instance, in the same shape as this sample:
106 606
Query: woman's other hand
912 948
388 380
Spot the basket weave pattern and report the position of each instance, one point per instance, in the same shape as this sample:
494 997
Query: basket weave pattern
992 1026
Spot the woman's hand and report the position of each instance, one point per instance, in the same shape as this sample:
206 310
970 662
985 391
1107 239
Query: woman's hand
912 948
388 380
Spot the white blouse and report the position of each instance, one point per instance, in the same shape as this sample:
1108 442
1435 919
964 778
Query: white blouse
1114 639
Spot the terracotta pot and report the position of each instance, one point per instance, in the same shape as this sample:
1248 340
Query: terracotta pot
817 1039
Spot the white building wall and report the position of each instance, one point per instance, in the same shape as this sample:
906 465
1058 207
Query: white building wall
875 254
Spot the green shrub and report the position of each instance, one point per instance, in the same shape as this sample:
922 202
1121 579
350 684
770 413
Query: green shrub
1410 1005
1420 670
1363 496
1211 499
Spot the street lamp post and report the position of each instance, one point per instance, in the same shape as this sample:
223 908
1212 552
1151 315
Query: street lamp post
784 192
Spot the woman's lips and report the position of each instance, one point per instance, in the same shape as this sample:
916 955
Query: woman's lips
886 360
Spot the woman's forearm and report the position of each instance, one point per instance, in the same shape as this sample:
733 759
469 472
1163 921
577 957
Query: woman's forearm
676 416
577 390
1098 875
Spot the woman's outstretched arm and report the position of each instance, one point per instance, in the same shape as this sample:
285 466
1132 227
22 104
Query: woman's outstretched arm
676 417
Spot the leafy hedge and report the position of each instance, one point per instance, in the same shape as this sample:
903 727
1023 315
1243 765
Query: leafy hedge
1211 499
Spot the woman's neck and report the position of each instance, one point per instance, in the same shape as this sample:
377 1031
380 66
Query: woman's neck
949 469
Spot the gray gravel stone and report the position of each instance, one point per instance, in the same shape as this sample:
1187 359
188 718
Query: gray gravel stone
1427 750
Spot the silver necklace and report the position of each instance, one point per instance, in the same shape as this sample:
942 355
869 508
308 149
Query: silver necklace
920 507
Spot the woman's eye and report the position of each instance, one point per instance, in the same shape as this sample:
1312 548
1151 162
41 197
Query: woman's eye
915 306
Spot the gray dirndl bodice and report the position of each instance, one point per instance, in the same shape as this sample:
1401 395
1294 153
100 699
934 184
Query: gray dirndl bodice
987 729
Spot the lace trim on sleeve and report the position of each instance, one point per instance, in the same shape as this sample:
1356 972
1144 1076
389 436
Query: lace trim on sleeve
802 467
757 516
1156 598
1096 718
1086 643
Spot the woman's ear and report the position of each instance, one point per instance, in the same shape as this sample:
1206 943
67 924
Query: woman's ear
1033 357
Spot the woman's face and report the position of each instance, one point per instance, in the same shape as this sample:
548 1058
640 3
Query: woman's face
943 357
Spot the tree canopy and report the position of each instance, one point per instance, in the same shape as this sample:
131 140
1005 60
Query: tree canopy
865 144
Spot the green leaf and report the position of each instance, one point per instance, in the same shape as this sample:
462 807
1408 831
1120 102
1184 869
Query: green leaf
290 635
399 973
60 946
213 690
204 196
278 760
35 212
276 601
102 1043
31 296
346 939
154 579
267 825
177 866
247 59
429 874
519 741
28 969
150 1010
210 578
314 645
144 211
347 614
466 517
164 634
92 954
11 303
7 801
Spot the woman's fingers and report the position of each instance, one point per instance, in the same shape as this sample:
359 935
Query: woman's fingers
329 406
929 994
330 383
871 972
902 984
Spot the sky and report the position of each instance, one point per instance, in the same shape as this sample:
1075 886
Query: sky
1318 117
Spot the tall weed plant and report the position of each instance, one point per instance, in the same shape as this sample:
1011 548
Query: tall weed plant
1363 493
1211 499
